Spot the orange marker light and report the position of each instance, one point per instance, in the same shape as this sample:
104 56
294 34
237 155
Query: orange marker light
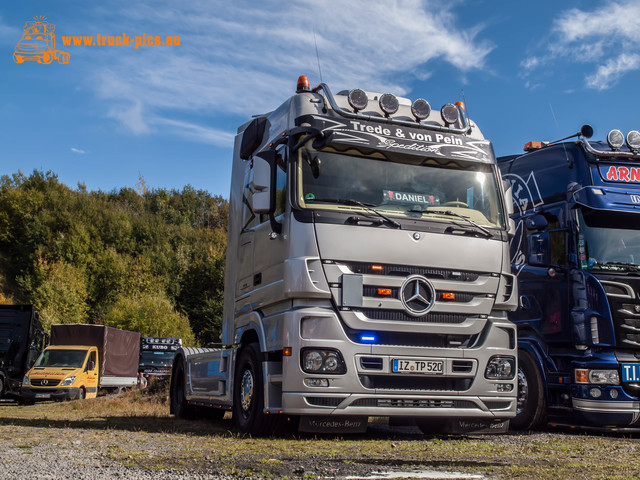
376 268
582 375
529 146
384 292
448 296
303 84
286 351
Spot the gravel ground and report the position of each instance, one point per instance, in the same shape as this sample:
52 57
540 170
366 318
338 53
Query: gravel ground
134 439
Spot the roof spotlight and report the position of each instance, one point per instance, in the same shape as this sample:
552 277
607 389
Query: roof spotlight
358 99
633 140
615 139
420 109
388 103
449 113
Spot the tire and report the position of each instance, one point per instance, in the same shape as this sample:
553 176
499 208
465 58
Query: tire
46 58
82 394
1 386
248 394
179 406
531 408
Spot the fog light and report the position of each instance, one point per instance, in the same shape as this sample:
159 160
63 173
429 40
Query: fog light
504 387
500 368
389 103
613 393
615 139
595 392
358 99
316 382
420 109
633 140
449 113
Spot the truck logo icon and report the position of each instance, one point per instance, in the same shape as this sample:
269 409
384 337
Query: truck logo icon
417 295
45 382
38 43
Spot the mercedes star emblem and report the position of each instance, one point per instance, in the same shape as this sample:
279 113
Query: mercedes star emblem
417 295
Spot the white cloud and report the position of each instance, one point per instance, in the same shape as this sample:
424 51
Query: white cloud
78 151
605 39
236 58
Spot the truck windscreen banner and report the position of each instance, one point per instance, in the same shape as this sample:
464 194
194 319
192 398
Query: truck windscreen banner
400 139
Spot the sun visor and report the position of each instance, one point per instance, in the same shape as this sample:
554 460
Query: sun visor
599 198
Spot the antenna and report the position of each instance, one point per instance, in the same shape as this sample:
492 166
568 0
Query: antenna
564 147
317 54
465 103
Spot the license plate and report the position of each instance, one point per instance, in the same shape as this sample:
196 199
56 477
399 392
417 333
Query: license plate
43 395
631 372
429 367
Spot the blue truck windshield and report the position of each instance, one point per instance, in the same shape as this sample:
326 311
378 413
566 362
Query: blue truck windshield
609 240
413 187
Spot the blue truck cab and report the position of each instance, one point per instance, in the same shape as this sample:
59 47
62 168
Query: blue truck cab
576 254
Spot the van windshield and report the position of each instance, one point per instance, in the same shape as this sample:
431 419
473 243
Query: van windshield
61 358
608 240
403 186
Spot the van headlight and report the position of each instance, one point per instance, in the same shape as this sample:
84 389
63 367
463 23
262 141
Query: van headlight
500 368
68 381
322 360
25 380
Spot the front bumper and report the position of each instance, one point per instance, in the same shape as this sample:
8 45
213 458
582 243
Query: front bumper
32 394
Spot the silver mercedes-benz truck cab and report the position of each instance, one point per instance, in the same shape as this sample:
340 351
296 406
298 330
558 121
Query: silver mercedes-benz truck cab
367 273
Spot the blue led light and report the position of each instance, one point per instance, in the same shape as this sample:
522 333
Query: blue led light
367 338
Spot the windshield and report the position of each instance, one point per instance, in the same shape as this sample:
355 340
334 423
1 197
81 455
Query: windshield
62 358
608 240
403 186
156 359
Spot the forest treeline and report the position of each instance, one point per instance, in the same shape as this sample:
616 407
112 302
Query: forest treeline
148 261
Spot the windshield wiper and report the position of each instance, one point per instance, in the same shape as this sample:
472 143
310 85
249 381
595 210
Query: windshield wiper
487 233
622 265
367 206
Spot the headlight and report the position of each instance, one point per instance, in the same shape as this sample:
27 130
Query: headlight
615 139
25 380
597 377
68 381
500 368
314 360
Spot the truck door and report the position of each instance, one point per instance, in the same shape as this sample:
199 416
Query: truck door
543 279
91 369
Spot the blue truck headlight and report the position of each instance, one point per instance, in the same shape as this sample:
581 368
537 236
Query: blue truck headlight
597 377
322 360
68 381
500 368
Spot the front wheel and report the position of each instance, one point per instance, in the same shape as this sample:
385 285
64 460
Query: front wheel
82 394
248 394
531 408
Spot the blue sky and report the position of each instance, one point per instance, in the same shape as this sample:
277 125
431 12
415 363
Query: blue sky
528 70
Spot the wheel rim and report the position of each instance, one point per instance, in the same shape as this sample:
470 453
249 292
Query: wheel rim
246 391
523 392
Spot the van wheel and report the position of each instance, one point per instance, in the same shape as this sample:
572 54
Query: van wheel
179 406
82 393
531 408
248 394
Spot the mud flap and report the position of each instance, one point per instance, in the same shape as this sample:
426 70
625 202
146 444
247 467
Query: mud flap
317 424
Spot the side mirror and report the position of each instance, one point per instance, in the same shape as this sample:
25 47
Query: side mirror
508 200
91 365
261 184
536 222
539 249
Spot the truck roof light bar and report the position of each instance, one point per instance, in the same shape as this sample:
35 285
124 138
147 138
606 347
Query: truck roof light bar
394 121
449 113
388 103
